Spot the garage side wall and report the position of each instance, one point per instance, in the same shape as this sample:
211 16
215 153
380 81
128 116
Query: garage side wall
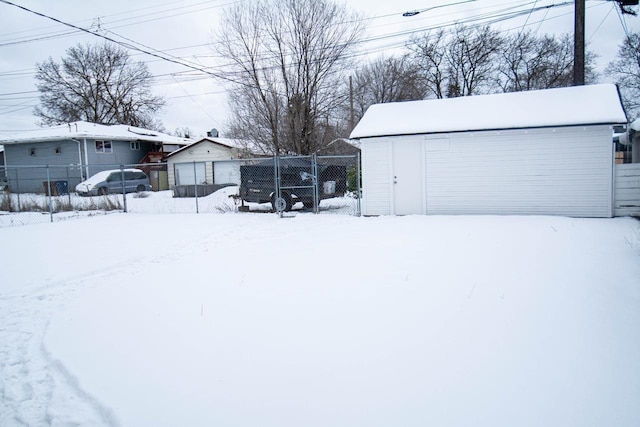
550 171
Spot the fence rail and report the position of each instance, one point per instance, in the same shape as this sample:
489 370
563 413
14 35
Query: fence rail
627 190
318 184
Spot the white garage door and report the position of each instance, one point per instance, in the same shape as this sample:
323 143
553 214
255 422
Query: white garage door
188 174
564 171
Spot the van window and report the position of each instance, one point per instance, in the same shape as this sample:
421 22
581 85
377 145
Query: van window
115 176
131 176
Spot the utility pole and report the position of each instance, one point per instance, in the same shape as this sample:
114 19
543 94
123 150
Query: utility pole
578 43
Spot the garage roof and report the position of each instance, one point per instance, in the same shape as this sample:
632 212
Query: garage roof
577 105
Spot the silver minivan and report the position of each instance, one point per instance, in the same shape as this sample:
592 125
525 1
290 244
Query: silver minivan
110 181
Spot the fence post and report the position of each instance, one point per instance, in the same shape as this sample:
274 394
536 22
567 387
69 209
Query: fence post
18 190
314 181
124 193
358 183
276 183
68 190
195 186
49 191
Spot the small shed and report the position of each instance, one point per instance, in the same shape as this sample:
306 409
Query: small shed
545 152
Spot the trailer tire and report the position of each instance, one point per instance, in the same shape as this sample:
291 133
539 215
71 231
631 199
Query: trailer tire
287 201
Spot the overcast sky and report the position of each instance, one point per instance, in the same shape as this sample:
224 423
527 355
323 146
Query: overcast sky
184 28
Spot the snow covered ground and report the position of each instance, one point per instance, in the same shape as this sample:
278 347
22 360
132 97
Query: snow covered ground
320 320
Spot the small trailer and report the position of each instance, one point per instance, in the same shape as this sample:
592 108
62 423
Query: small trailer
297 182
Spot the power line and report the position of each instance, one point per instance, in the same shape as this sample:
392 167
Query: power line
58 34
601 22
623 22
105 37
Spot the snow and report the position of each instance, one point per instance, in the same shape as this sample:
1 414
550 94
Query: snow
227 142
249 319
82 129
578 105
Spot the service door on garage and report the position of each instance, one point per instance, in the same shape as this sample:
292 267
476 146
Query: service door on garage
408 176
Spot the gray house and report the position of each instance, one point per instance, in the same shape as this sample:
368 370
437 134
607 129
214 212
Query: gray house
73 152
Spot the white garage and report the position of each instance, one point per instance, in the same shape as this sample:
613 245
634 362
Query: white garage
547 152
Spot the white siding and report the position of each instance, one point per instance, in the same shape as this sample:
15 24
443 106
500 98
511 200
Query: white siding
551 171
564 171
204 151
376 176
627 192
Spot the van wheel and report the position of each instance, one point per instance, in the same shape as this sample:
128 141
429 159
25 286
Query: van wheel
103 191
140 188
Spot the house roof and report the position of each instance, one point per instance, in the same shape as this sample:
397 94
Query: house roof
226 142
81 130
578 105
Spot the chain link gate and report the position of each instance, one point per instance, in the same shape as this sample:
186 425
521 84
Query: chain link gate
318 184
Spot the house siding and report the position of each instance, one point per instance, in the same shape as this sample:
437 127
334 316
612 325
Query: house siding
63 166
30 179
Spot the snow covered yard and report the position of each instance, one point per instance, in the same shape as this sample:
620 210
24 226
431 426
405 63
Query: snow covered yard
246 320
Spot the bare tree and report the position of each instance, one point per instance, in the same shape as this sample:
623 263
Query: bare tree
184 132
471 60
386 79
528 62
287 62
460 62
429 53
99 84
625 69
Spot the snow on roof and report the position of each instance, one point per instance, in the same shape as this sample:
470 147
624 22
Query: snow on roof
635 125
94 131
578 105
227 142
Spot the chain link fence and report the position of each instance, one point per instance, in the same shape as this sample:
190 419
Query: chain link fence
287 185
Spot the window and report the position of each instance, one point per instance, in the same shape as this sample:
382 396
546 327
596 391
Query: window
103 147
135 145
114 177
